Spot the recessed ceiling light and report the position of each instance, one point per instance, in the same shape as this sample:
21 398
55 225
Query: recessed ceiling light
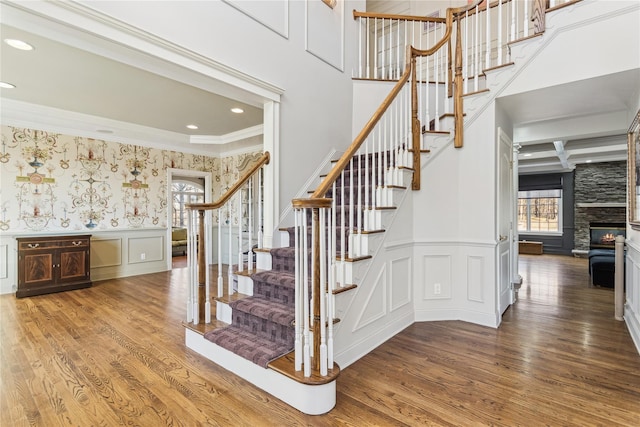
6 85
527 155
237 110
588 161
194 127
18 44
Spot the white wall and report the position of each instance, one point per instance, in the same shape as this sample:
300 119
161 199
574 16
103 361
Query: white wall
597 38
315 112
454 230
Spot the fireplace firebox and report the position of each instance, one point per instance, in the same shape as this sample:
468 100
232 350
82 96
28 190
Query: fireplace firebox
603 234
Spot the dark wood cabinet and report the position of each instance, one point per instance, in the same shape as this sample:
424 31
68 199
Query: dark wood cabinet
53 264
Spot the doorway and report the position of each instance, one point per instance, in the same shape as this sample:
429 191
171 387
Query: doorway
183 187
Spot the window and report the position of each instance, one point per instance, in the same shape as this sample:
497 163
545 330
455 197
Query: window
539 211
183 192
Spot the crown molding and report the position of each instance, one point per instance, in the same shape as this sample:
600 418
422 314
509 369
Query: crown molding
227 138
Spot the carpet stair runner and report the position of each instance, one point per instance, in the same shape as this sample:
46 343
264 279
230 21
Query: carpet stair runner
262 327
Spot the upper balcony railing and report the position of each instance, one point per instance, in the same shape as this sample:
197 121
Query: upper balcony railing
485 38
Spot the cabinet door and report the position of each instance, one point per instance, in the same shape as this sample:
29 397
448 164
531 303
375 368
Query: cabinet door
38 269
73 265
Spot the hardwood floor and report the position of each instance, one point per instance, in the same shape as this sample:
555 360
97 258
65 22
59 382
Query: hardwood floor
114 354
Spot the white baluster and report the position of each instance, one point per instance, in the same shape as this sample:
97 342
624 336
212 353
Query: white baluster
220 289
250 234
190 267
465 54
360 59
299 280
230 251
322 294
383 76
240 260
436 74
514 20
260 210
375 48
351 206
305 296
525 19
499 40
368 65
207 290
488 36
476 47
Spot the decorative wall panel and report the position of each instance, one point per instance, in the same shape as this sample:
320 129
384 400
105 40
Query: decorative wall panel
324 32
146 249
437 276
401 283
374 307
475 278
106 252
272 14
4 261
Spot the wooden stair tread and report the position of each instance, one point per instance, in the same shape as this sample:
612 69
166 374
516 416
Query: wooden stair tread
497 67
343 289
359 258
248 273
203 328
286 366
476 92
227 299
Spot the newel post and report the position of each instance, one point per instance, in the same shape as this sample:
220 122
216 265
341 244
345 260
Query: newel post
457 99
415 127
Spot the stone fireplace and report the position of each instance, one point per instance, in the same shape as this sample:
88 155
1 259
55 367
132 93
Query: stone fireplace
599 197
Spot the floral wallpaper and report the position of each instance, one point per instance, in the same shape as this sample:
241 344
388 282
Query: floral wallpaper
52 182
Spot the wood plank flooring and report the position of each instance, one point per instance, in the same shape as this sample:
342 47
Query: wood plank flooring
114 354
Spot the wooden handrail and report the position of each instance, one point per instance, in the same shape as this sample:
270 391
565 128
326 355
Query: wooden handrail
357 14
337 169
263 160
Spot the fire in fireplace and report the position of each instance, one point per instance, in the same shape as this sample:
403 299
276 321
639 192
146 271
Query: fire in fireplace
603 234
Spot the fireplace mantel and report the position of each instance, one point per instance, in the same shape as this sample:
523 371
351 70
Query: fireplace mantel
602 205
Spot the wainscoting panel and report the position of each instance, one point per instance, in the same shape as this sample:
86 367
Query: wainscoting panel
4 261
106 252
401 283
632 303
146 249
375 306
436 276
475 278
272 14
324 32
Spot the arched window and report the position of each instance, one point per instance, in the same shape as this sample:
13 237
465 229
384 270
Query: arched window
184 192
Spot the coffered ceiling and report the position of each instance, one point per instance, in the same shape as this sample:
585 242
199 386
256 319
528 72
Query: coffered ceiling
582 122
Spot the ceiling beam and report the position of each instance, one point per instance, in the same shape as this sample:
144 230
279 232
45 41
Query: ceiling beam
562 155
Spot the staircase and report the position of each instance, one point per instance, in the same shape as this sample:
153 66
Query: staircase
280 334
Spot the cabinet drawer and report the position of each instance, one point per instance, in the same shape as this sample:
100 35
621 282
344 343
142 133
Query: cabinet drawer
35 245
74 243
